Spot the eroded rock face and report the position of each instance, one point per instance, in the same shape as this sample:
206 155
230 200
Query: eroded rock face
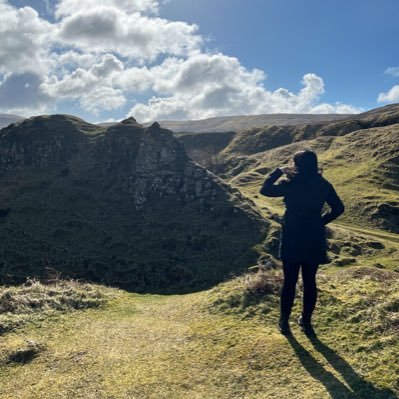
155 163
125 206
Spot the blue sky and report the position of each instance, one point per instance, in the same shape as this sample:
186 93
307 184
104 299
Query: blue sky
181 59
348 43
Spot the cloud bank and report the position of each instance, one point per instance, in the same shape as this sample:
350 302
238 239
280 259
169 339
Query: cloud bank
104 54
392 95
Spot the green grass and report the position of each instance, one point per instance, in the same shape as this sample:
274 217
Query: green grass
206 345
363 167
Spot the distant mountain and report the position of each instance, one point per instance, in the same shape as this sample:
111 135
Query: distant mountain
254 140
7 119
241 122
123 205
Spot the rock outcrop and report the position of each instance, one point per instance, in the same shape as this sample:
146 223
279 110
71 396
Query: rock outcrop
123 205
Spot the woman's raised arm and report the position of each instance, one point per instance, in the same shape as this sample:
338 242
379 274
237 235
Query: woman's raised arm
269 189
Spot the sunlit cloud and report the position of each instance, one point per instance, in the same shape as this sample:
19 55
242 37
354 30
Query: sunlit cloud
102 54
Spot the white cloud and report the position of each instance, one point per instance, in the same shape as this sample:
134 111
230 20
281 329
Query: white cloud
70 7
337 108
132 35
101 54
391 96
65 62
102 98
192 74
207 85
392 71
93 86
80 81
134 80
24 39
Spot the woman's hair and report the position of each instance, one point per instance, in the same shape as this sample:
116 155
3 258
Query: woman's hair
304 165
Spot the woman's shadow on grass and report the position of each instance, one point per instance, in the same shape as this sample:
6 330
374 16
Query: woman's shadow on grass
356 388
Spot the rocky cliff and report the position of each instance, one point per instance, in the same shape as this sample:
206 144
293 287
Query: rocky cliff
123 205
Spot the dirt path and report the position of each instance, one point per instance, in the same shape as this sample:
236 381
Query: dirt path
381 234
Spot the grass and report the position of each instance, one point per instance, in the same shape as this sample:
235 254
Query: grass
202 345
363 166
360 160
35 301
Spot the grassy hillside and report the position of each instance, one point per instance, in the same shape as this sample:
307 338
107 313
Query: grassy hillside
358 154
363 166
255 139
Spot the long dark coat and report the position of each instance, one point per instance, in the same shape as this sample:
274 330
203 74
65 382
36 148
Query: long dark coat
303 238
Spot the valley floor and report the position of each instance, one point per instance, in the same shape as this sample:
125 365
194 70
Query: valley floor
151 346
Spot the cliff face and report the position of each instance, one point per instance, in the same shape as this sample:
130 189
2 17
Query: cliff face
155 164
125 206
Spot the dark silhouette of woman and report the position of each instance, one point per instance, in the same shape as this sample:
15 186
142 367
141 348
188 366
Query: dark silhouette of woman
303 239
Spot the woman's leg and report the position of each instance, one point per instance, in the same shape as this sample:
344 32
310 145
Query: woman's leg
291 271
309 290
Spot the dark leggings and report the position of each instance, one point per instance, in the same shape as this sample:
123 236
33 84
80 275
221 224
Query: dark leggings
291 272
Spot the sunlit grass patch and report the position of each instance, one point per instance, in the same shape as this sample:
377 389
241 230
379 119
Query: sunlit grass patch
255 292
35 300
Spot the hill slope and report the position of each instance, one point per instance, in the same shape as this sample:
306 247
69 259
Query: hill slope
359 155
363 166
123 205
257 139
238 123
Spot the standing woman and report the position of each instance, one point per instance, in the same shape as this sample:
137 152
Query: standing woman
303 239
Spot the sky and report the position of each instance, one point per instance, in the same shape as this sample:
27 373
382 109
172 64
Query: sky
105 60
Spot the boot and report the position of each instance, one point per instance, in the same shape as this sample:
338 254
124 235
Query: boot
306 326
284 325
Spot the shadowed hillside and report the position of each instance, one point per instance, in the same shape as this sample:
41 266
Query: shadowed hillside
125 206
